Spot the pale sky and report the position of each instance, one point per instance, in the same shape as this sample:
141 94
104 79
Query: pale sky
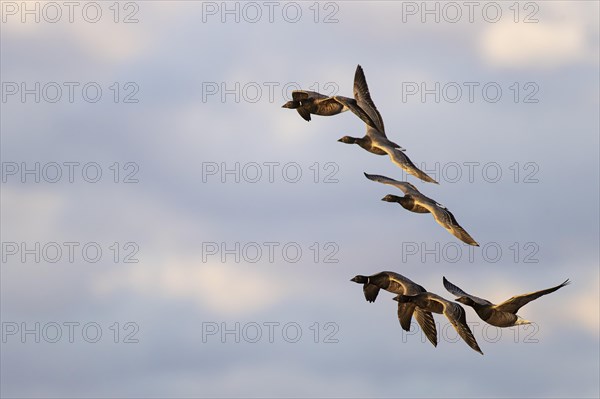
179 208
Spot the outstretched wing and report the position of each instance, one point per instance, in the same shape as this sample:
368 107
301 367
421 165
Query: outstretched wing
456 314
329 106
405 312
516 302
403 161
406 187
353 106
458 292
299 95
363 98
425 320
447 220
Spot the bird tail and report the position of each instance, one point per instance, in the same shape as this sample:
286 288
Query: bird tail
521 320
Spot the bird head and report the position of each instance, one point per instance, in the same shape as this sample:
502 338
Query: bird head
391 198
291 104
360 279
347 140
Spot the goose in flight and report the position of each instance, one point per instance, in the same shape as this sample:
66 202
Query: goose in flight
398 284
375 140
416 202
311 102
431 302
504 314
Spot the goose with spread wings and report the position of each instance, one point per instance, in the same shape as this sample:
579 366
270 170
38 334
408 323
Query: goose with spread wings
311 102
504 314
375 140
416 202
398 284
430 302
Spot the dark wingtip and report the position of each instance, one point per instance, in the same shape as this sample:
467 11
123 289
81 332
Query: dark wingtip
429 179
476 348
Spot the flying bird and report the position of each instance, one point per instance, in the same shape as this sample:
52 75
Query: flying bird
416 202
431 302
311 102
375 140
504 314
398 284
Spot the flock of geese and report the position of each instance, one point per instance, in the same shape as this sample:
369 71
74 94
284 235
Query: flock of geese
412 298
375 141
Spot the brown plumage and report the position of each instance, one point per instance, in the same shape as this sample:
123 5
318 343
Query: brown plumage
398 284
431 302
504 314
416 202
375 140
311 102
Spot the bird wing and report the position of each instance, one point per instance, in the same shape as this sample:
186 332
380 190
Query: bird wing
458 292
516 302
329 106
456 314
409 287
446 219
406 187
298 95
356 109
363 98
407 309
399 158
405 312
425 320
304 113
370 291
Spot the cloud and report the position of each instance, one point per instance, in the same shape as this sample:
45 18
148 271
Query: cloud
101 31
30 213
225 289
507 44
583 308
